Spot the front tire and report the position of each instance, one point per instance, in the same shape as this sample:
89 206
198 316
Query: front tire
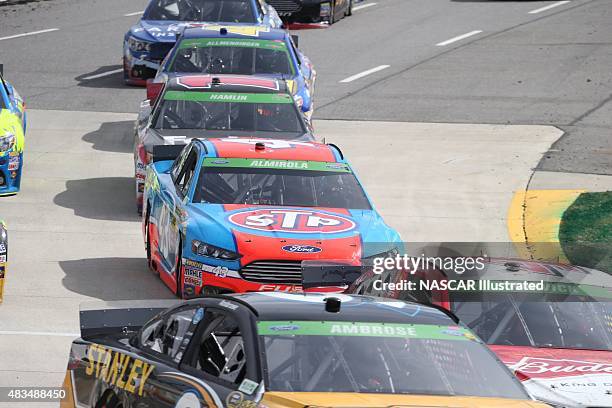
349 12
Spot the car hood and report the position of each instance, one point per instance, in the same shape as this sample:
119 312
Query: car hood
354 400
154 137
566 377
288 233
155 30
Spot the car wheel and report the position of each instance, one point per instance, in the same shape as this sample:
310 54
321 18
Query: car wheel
178 274
349 11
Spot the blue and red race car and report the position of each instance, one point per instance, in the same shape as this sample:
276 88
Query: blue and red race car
244 50
240 215
146 44
12 137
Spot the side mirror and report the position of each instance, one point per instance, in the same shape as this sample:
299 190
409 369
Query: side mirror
153 90
296 40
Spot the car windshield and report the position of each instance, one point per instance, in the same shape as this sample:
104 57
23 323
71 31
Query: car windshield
508 320
258 112
232 56
227 11
389 358
280 183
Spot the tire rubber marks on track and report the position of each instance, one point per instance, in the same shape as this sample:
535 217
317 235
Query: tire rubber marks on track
48 30
550 6
364 73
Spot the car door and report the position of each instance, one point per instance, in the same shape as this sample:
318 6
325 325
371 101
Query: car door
174 196
224 356
165 341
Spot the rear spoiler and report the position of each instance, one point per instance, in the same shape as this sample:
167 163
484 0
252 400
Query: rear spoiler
99 318
166 152
319 274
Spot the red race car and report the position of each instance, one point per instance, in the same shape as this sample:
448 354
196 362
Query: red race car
557 341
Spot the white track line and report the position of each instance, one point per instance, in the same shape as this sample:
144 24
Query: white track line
364 6
557 4
48 30
364 73
458 38
28 333
133 14
103 74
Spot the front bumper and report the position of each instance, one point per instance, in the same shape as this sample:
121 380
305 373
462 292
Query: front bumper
143 65
11 164
199 278
302 11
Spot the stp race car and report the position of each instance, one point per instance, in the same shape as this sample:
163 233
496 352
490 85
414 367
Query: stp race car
558 341
280 350
12 137
204 106
239 215
244 50
146 44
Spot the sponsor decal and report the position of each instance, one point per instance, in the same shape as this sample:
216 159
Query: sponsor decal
277 164
2 258
247 30
301 249
285 327
281 288
2 248
248 386
236 399
234 42
292 221
534 367
13 163
199 315
359 329
228 97
117 369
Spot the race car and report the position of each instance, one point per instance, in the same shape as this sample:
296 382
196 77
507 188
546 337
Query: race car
241 214
282 350
3 256
244 50
146 44
558 341
312 11
203 106
12 135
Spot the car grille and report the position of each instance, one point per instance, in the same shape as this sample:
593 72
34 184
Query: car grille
287 272
286 7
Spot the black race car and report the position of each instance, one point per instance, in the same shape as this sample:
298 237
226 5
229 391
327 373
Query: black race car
312 11
283 350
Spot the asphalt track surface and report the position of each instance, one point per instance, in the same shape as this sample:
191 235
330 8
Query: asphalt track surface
427 87
545 68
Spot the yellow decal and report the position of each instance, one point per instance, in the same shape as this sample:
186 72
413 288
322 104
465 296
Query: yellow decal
11 123
252 31
114 368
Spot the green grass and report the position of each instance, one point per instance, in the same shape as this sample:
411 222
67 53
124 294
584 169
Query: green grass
585 232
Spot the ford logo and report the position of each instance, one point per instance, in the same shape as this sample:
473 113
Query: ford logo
308 249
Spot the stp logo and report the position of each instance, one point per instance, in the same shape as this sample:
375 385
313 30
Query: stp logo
295 221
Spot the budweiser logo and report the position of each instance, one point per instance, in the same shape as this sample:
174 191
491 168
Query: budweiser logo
544 367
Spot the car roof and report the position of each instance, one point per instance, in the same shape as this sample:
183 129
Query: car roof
354 308
243 31
225 83
272 150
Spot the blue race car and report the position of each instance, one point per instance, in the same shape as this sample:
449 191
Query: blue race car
146 44
244 50
12 137
242 214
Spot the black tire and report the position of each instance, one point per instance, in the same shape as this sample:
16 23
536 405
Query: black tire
349 11
178 267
